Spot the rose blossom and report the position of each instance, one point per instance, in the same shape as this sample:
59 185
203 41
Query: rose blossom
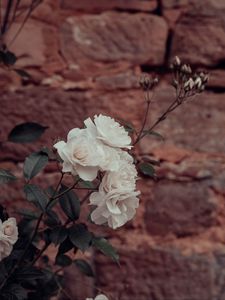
108 131
81 154
9 231
5 249
115 207
124 178
99 297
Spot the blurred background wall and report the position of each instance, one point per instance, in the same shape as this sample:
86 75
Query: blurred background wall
85 58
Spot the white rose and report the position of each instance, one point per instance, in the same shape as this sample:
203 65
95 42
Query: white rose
81 154
111 159
5 249
9 231
115 208
124 178
108 131
99 297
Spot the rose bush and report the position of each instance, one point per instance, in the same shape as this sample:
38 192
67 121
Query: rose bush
99 158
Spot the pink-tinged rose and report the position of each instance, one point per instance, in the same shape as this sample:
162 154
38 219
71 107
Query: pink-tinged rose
5 249
9 231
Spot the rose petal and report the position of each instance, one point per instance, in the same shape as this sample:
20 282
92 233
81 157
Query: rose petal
87 173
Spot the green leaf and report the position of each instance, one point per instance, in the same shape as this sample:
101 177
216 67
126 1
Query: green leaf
105 247
58 235
129 127
80 236
28 214
84 267
156 134
6 176
70 204
28 273
34 164
24 74
26 132
35 195
86 184
52 219
9 58
65 246
147 169
63 260
15 292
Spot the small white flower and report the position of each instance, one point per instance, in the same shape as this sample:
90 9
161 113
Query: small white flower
9 231
115 207
108 131
5 249
81 154
99 297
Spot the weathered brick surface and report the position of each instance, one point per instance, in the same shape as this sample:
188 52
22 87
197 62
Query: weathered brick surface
106 41
202 24
85 58
163 273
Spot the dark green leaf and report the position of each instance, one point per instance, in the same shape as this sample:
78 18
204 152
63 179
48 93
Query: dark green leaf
70 204
80 236
26 132
147 169
22 73
63 260
129 127
9 58
28 273
86 184
28 214
52 219
58 235
35 195
65 246
6 176
15 291
106 248
156 134
84 267
34 164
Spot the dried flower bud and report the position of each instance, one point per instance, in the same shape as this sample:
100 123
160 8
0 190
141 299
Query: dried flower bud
189 70
147 83
198 83
185 69
175 83
204 77
177 61
189 84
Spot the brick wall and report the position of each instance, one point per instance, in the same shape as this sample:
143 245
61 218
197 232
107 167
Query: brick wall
85 57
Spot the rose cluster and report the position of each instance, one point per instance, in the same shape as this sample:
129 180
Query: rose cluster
101 148
8 236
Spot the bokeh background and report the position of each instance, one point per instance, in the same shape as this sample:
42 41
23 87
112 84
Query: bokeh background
85 58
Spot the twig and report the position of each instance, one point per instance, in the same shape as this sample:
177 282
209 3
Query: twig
145 118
